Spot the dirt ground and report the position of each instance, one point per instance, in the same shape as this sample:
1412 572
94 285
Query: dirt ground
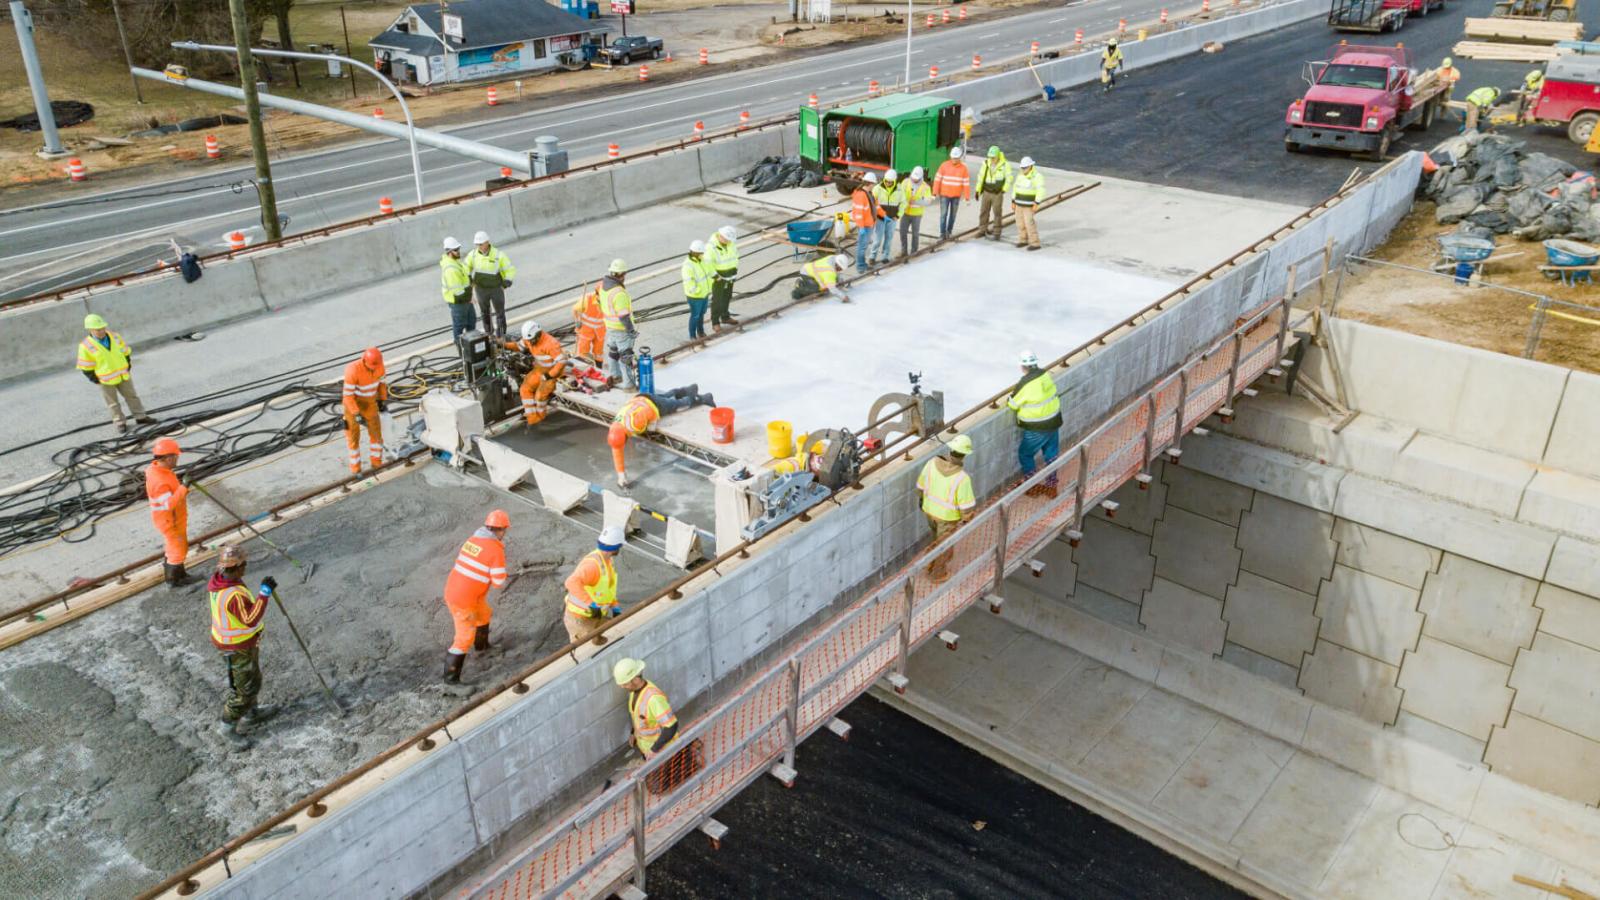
1472 315
111 777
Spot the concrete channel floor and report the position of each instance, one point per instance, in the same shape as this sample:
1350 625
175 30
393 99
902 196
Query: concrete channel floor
1314 828
110 775
900 810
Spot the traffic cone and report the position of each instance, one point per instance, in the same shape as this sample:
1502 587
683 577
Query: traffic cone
699 130
812 101
1205 6
377 113
494 98
1163 17
76 170
505 171
1122 26
872 89
744 119
669 57
1077 38
705 57
613 151
1034 48
930 20
933 71
385 206
644 73
962 16
213 149
944 18
977 62
235 240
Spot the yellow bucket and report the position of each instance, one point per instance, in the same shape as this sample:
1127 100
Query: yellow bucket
780 439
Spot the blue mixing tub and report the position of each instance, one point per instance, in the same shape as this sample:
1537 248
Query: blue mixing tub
1570 253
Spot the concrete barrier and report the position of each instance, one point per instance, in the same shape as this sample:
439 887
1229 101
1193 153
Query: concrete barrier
725 160
562 203
653 179
40 337
321 266
418 238
160 308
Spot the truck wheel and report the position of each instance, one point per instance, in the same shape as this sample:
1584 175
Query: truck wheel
1581 126
1291 146
655 54
1560 14
1429 111
1383 145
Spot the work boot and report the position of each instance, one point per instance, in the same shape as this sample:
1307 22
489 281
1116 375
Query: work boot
452 668
706 400
480 639
1022 243
122 427
259 713
176 576
233 735
145 420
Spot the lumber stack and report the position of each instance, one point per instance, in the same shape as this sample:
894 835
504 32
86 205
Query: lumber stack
1425 82
1496 52
1523 31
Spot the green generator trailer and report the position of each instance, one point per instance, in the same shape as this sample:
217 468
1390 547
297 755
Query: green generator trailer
897 131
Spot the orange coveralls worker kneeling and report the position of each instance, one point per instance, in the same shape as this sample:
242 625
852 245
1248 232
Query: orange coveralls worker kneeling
480 565
365 395
169 509
549 361
591 322
592 587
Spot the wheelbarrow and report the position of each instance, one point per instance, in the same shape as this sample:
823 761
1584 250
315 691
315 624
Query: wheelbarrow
809 234
1572 256
1464 252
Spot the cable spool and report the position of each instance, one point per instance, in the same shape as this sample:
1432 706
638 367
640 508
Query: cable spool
868 141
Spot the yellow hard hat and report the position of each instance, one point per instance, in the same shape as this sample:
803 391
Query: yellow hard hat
618 267
961 444
93 321
1448 62
626 670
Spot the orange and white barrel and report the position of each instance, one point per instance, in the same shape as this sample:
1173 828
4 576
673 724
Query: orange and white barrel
213 148
76 170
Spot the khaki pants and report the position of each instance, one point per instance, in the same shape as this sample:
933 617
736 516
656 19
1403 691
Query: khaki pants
989 204
580 628
110 392
942 529
1027 231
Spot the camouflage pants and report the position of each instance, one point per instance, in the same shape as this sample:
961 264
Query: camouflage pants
244 682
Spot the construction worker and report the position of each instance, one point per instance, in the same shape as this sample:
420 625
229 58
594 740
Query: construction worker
237 618
1532 83
699 279
917 197
994 182
643 413
1038 411
549 361
888 195
655 725
592 588
1027 189
456 281
365 395
107 361
479 566
591 325
1110 64
491 272
1479 103
1448 76
821 275
169 509
722 251
951 184
616 308
947 499
864 214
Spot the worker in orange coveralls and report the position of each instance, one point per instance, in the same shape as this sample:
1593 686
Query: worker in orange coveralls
641 413
591 324
365 395
549 361
480 565
169 509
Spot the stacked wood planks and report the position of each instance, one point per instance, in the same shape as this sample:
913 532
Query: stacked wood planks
1523 31
1531 53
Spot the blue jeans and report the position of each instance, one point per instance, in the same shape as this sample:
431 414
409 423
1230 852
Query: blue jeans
864 237
947 215
463 318
883 243
697 317
1035 442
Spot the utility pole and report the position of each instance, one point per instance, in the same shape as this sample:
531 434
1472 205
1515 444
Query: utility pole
127 54
252 109
345 25
30 62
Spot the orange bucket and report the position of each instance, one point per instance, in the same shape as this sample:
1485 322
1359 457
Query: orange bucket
722 424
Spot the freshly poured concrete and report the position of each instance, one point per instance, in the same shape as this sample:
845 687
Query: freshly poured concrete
110 777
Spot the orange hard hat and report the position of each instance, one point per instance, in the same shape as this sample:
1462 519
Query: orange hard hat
498 519
373 357
165 447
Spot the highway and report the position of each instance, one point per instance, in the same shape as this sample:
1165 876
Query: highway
46 247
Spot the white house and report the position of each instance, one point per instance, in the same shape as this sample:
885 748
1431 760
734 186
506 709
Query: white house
437 43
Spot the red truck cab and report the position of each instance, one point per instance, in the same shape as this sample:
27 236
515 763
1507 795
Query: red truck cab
1358 100
1570 95
1414 7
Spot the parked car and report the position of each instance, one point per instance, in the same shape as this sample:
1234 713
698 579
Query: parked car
630 49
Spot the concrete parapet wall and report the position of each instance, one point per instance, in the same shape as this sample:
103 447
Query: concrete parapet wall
561 203
421 236
289 275
42 337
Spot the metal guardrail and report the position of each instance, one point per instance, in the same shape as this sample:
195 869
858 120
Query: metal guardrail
612 838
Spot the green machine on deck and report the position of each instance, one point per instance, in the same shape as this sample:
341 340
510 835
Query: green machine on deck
897 131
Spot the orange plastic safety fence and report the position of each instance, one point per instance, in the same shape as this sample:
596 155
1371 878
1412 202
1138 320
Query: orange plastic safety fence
840 667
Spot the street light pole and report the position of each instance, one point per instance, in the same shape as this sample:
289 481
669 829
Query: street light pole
23 20
908 45
258 136
411 127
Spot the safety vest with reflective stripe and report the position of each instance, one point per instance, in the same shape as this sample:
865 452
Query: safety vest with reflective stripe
546 351
227 628
1036 401
490 269
602 592
912 193
614 304
995 176
637 414
650 712
587 310
1111 58
822 272
454 277
1027 187
889 195
863 208
697 275
723 256
952 179
945 497
109 364
481 563
165 492
1484 97
363 386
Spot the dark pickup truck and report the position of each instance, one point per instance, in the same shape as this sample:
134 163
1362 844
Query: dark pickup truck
629 49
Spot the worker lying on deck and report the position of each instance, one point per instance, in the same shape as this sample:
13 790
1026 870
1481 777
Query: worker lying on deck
549 361
821 275
643 413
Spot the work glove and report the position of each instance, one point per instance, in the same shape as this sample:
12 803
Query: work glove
505 282
268 586
615 611
383 406
89 374
464 296
598 612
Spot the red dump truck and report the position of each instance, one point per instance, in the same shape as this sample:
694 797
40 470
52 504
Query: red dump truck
1570 96
1360 98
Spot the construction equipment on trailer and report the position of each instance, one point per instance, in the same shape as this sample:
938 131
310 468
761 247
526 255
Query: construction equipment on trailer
1359 100
1366 15
833 459
899 131
1551 10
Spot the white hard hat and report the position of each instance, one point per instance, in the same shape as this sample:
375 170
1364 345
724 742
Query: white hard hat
481 237
1028 359
612 538
955 152
890 175
530 330
697 246
916 174
869 178
451 243
728 234
841 260
626 670
1027 162
618 267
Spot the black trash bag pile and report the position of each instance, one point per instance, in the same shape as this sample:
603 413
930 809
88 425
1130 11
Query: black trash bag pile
776 172
66 113
1489 184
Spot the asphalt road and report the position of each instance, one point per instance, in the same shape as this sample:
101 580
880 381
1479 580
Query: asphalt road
125 230
1214 122
900 810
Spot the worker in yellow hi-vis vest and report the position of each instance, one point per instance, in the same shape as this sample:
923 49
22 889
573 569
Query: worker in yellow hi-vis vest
947 499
